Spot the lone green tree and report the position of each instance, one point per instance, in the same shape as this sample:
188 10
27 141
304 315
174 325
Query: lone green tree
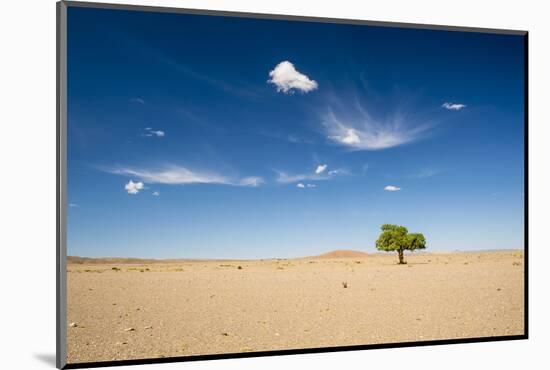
397 238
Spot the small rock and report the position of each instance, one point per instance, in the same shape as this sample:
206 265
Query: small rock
225 334
129 329
73 325
148 327
239 267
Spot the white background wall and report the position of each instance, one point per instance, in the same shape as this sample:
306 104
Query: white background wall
27 182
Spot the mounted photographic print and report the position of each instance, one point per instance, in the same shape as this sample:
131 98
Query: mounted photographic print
234 185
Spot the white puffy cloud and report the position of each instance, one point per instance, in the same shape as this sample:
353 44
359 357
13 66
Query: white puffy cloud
300 185
320 168
133 187
177 175
303 186
287 79
453 106
156 193
392 188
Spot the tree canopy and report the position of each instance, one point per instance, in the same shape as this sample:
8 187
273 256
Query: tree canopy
397 238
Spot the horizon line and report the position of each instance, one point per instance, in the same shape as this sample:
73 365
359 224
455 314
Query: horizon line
171 259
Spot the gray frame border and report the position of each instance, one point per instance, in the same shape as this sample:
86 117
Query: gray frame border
283 17
61 186
61 182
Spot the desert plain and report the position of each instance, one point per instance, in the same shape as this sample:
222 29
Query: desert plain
120 309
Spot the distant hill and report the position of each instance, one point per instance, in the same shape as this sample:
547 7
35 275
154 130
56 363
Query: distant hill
339 253
343 253
88 260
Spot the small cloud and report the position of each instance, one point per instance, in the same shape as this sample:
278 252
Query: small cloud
311 185
427 172
287 79
453 106
294 139
339 171
158 133
137 100
150 132
153 133
156 193
133 187
303 186
321 168
300 185
392 188
72 205
291 138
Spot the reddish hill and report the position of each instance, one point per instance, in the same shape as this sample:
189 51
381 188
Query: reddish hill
343 253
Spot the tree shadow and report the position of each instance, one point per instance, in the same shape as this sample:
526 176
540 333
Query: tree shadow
47 358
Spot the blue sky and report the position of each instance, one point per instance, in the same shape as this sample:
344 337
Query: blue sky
221 137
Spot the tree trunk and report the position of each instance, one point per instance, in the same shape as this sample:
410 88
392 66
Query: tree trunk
401 259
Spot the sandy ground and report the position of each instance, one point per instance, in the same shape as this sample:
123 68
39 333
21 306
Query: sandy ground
207 307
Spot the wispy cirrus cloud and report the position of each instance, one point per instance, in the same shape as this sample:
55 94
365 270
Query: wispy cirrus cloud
286 178
291 138
320 173
303 186
288 79
137 100
177 175
453 106
426 172
233 87
358 130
